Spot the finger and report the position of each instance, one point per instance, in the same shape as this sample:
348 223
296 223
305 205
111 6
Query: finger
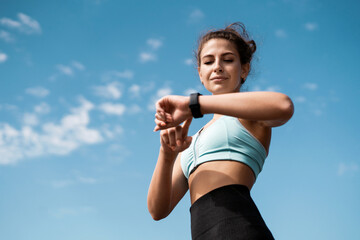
178 135
159 116
185 127
164 137
172 135
158 106
160 123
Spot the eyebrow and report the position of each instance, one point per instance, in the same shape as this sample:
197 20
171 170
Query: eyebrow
227 53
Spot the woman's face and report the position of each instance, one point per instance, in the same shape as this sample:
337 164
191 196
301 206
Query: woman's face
220 69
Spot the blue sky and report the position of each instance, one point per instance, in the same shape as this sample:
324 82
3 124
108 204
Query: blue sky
78 84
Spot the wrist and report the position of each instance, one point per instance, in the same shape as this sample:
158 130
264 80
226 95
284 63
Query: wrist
194 105
168 154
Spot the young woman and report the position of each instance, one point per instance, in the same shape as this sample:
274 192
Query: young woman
220 163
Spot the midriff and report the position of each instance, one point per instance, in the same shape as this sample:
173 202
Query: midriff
214 174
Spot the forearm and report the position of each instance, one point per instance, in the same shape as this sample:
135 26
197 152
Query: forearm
160 190
258 106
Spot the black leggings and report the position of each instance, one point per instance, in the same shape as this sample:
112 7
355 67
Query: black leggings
227 213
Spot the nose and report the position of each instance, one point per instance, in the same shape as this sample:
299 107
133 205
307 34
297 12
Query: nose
218 67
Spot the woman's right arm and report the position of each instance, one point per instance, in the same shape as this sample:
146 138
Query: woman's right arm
168 184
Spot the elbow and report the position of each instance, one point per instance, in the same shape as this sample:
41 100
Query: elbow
157 213
157 216
286 108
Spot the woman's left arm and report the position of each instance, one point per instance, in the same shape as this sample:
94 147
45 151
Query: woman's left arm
272 109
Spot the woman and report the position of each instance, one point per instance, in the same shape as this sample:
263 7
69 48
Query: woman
220 163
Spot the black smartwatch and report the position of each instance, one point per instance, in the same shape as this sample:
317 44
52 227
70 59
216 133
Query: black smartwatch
194 105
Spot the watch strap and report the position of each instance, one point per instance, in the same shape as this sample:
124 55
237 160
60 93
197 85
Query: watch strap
194 105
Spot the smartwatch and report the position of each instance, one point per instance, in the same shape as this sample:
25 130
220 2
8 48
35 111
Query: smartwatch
194 105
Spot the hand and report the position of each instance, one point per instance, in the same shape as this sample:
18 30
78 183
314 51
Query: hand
175 139
171 111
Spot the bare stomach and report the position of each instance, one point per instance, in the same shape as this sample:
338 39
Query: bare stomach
211 175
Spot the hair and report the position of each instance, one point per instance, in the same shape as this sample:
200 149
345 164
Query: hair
235 33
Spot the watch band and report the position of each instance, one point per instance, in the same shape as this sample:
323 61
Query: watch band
194 105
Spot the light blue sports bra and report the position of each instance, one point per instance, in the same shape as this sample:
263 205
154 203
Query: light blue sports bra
225 139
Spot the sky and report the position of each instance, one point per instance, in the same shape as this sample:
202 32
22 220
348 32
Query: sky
78 83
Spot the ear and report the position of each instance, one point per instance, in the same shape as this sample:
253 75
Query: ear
200 75
245 68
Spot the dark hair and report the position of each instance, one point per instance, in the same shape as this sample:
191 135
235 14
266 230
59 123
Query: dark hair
235 33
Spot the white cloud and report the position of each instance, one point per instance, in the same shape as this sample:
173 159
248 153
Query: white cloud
3 57
112 131
25 24
78 65
310 86
65 69
6 36
42 108
113 109
30 119
196 15
300 99
37 92
159 94
280 33
188 91
133 109
60 138
147 57
188 61
134 90
111 90
266 89
87 180
347 168
154 43
311 26
116 75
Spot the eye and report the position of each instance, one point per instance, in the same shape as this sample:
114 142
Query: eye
228 60
208 62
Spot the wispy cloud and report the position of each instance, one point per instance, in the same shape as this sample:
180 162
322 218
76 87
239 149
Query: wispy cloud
300 99
311 26
24 24
111 76
3 57
40 92
195 16
154 43
147 57
150 54
60 138
42 108
159 94
73 181
110 91
6 36
67 70
347 168
281 33
189 61
30 119
134 90
72 211
78 65
310 86
112 108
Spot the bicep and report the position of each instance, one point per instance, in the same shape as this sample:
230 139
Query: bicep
179 183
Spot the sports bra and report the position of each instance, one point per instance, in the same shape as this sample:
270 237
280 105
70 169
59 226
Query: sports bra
225 139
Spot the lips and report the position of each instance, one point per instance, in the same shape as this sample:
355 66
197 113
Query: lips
218 79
